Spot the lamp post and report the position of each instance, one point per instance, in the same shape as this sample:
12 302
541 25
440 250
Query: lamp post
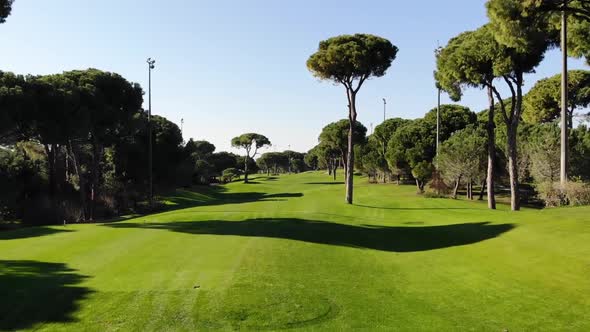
182 129
384 108
437 53
151 66
438 121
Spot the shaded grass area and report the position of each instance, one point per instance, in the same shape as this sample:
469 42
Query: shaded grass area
26 232
386 238
36 292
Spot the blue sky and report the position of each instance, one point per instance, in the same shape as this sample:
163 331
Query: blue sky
229 67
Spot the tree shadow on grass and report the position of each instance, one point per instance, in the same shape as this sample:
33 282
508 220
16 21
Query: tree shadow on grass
187 199
324 183
33 292
413 208
26 232
385 238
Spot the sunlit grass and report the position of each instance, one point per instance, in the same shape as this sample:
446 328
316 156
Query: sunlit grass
287 252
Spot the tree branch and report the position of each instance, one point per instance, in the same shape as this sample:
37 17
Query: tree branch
255 152
513 92
502 106
361 81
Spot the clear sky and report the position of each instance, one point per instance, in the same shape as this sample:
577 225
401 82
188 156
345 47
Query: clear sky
229 67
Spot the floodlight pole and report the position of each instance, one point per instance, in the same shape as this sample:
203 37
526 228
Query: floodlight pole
151 66
437 53
384 108
438 122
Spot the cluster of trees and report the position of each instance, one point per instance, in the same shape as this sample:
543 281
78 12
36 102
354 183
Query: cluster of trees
332 150
206 166
402 150
74 147
282 162
502 51
511 45
78 131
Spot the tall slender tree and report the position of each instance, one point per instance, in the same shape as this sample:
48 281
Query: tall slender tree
523 24
470 60
350 60
251 142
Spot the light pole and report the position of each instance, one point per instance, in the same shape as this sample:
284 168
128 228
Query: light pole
151 66
437 53
437 121
384 108
182 129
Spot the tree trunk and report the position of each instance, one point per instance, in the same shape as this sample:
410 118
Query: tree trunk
51 156
334 168
96 152
350 152
343 161
456 189
418 187
513 168
482 190
246 169
81 179
491 151
512 146
398 179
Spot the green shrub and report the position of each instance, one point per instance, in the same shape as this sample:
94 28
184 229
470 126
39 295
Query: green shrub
575 193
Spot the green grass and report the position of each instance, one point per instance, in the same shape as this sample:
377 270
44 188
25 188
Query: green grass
286 252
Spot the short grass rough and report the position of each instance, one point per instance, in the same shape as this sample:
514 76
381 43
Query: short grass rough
287 253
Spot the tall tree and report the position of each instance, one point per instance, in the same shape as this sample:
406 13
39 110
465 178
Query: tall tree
248 142
525 24
512 63
471 60
109 101
350 60
5 9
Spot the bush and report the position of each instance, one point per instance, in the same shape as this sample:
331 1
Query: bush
438 187
576 193
550 194
229 174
